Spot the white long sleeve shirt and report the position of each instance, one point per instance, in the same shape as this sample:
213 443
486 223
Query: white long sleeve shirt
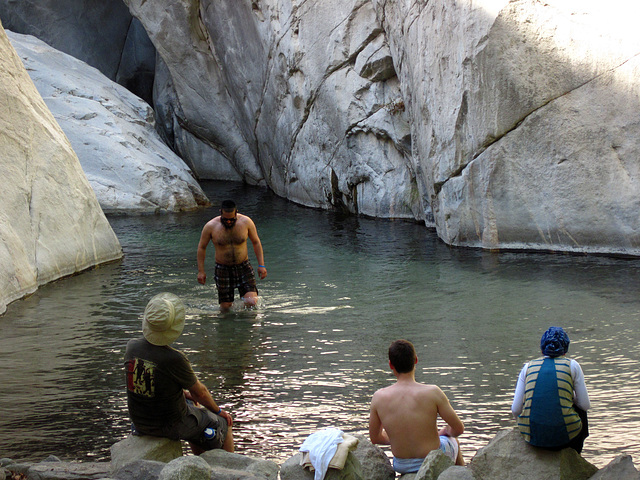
580 394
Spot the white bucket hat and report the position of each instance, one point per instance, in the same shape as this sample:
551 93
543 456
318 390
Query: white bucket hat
163 319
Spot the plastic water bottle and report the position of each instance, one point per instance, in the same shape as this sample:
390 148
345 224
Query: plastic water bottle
209 433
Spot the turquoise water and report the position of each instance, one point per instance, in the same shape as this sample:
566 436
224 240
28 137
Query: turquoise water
339 290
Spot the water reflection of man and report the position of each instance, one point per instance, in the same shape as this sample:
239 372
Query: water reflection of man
404 415
229 233
551 399
168 400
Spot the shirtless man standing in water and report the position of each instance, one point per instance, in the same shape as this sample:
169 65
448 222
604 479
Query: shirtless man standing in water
229 233
404 415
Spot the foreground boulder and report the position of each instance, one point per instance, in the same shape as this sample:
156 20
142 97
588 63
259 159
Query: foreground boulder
112 131
186 468
54 469
236 466
139 470
509 457
432 467
292 469
456 473
374 462
620 468
144 447
367 462
506 457
51 224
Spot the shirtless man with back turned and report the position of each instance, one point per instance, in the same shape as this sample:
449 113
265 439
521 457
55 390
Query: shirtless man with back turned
404 415
229 233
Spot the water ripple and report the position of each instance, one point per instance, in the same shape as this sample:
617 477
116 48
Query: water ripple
314 352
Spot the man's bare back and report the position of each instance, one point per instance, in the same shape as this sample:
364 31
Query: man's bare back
405 414
408 413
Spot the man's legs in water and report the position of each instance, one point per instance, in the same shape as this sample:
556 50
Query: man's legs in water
250 299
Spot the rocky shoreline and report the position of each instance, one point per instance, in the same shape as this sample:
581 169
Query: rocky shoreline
506 457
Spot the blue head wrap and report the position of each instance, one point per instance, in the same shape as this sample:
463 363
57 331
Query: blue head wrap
554 342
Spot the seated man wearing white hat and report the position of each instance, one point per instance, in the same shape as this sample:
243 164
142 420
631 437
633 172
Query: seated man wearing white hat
160 380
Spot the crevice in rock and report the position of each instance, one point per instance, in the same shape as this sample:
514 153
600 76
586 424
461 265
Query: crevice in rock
490 140
330 71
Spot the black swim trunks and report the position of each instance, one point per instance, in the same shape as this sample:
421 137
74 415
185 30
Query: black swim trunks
230 277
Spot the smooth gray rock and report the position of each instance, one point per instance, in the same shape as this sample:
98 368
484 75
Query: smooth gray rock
456 473
51 458
435 463
221 473
136 447
68 471
186 468
292 470
112 131
509 457
374 462
408 476
237 462
620 468
51 224
139 470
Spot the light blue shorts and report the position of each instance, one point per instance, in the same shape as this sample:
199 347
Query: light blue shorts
448 445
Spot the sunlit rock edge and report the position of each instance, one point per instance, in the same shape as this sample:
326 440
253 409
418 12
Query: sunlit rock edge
51 223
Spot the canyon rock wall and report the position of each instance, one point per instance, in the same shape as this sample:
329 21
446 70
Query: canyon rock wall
302 97
510 124
501 123
524 119
51 224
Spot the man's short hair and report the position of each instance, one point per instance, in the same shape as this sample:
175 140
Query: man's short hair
402 356
228 206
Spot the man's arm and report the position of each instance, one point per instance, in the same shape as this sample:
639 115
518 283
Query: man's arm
200 394
454 427
257 248
377 433
202 253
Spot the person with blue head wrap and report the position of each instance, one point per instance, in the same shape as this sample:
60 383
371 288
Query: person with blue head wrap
554 342
551 398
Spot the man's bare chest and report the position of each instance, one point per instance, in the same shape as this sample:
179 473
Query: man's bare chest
229 238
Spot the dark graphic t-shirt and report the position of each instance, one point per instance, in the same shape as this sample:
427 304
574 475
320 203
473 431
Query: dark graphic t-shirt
156 377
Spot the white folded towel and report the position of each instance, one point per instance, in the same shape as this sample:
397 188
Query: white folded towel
321 447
